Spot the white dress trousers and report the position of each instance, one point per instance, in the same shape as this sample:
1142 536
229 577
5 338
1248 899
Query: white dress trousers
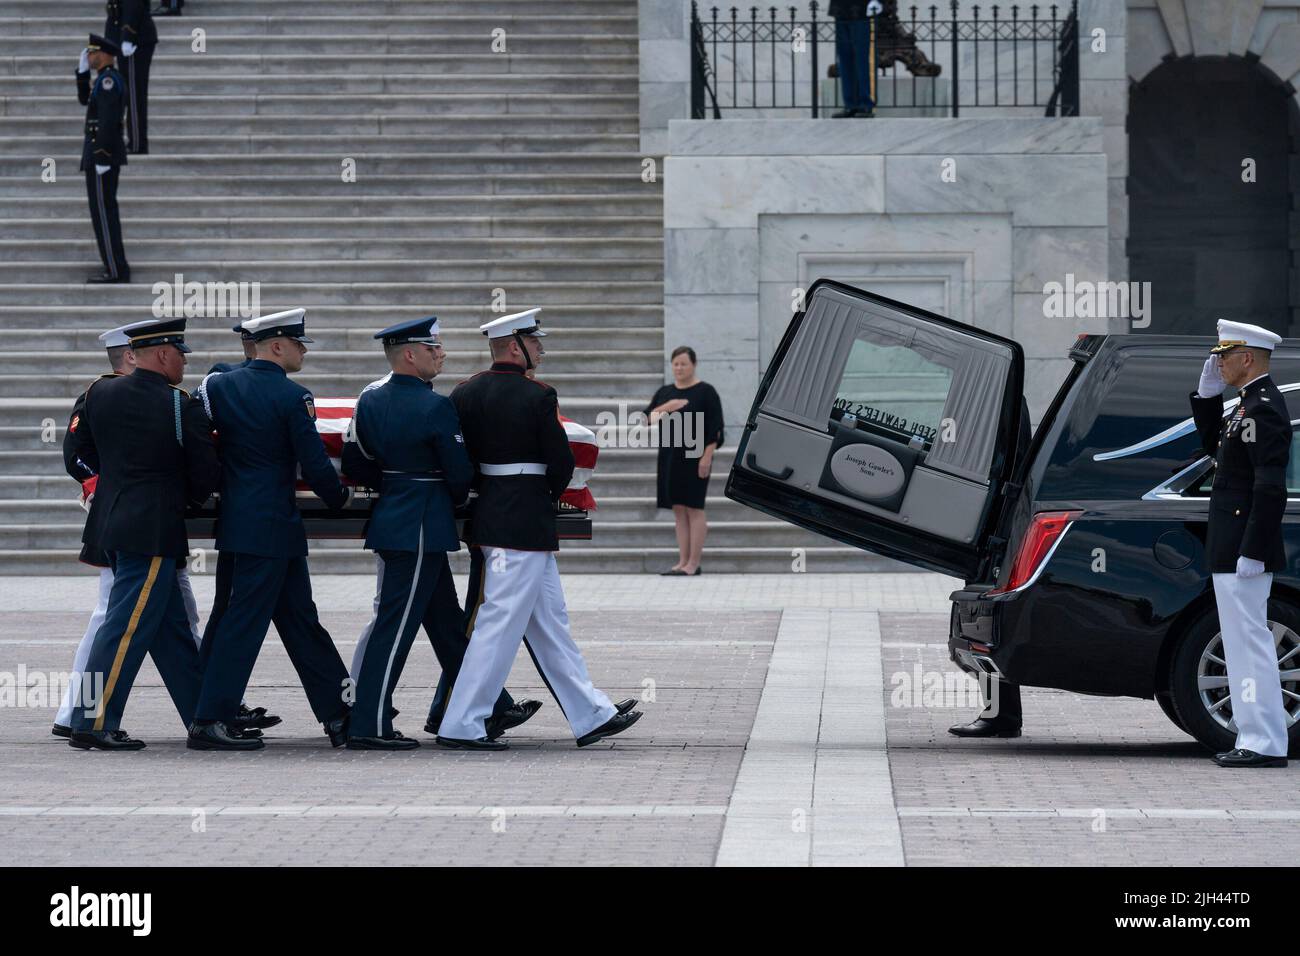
522 595
1251 653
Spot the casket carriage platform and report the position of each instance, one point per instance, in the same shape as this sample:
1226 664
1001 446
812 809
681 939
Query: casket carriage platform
334 415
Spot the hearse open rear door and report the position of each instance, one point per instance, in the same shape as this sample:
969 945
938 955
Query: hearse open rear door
886 427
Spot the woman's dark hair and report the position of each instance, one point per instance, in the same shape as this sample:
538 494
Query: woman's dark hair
684 350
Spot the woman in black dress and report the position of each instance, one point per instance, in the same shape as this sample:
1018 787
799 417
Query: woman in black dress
689 415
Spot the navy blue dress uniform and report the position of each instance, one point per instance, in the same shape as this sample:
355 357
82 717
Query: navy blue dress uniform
515 438
103 153
129 25
244 337
150 444
1244 547
265 425
405 440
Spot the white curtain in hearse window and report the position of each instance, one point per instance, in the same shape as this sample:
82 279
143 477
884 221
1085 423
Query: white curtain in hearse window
806 385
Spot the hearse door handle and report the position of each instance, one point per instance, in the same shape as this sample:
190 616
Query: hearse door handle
751 462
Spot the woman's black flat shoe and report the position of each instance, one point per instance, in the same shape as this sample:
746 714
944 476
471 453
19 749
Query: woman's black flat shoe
696 571
674 573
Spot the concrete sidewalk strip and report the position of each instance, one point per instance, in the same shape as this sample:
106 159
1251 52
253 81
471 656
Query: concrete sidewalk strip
814 786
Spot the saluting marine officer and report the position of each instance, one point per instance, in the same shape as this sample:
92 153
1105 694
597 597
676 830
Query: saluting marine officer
150 445
405 440
265 424
130 26
1244 541
515 438
103 153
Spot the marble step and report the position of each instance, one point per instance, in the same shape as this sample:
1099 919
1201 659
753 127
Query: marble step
159 181
169 61
337 44
235 84
573 559
600 230
273 22
205 336
433 296
349 124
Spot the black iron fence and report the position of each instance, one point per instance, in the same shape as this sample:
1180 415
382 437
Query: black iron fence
1022 57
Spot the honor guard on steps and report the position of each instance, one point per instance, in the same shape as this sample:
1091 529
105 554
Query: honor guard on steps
150 446
1251 449
405 438
103 153
129 25
265 424
515 438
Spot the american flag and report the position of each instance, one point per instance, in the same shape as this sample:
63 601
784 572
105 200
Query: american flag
334 415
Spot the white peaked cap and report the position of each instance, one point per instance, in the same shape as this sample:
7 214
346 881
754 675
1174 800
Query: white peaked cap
523 322
1235 334
119 337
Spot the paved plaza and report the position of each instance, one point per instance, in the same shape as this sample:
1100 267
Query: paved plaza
786 723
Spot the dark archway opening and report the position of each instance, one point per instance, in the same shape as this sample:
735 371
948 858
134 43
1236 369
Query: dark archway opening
1212 245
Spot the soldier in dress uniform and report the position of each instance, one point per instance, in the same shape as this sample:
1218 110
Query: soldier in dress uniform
444 619
405 438
103 153
1244 544
514 436
265 424
129 25
150 445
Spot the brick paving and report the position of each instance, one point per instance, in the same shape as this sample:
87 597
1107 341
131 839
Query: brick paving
1093 781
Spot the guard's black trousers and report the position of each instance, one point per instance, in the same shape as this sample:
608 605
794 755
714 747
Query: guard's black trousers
448 627
102 193
135 71
146 615
263 590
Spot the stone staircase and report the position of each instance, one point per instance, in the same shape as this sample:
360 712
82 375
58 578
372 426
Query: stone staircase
476 171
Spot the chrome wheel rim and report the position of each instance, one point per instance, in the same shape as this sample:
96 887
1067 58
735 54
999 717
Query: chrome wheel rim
1212 676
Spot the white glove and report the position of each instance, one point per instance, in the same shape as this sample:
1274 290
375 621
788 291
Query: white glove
1212 382
83 64
874 8
128 48
101 170
1249 567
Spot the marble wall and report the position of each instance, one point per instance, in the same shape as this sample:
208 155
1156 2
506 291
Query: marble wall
755 210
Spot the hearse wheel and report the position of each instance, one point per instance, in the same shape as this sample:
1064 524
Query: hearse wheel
1198 685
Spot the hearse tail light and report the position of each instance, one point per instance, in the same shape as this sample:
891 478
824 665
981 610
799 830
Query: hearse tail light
1043 534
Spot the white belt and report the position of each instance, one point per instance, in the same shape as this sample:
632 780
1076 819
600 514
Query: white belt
514 468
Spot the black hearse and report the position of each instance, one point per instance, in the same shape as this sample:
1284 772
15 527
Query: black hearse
1083 550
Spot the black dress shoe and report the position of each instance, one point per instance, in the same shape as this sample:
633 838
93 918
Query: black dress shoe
395 742
985 727
615 725
254 718
511 717
844 114
337 730
105 279
104 740
217 736
59 730
623 706
453 743
1248 758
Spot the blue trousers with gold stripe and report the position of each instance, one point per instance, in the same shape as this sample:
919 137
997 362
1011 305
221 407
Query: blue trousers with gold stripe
146 615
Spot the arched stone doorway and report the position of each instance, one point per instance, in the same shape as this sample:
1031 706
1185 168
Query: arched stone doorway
1212 245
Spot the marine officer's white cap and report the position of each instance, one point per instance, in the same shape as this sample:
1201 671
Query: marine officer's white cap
119 337
290 324
525 323
1236 334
